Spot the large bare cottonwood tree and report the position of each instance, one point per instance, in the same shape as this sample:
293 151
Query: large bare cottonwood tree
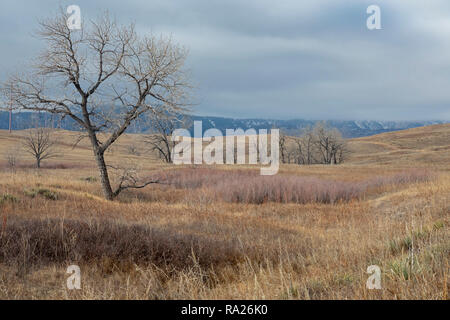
104 76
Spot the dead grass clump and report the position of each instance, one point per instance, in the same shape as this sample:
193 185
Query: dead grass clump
46 193
8 198
89 179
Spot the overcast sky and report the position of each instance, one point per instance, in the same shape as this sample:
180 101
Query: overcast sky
311 59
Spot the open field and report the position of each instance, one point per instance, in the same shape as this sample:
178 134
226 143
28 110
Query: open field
388 205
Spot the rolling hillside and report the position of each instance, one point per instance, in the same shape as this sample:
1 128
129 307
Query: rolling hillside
425 146
193 238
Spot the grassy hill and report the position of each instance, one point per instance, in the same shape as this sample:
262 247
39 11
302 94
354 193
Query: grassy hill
80 155
309 232
424 146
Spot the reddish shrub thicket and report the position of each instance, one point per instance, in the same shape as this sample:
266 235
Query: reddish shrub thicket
247 186
285 189
405 177
200 177
29 242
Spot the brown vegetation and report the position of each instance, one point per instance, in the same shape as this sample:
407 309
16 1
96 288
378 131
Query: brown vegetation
247 186
188 240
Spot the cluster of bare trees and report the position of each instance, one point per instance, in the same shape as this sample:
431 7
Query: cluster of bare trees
315 145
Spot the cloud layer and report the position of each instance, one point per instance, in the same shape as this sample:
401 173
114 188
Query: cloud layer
289 59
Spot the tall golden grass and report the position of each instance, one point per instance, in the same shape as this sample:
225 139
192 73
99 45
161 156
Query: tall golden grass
193 239
169 243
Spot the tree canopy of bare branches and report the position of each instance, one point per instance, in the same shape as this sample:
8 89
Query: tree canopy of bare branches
41 144
332 148
12 158
162 125
282 142
104 77
317 145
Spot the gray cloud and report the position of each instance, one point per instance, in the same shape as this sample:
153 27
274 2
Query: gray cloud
288 59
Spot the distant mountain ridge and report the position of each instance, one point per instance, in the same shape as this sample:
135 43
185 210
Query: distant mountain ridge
348 128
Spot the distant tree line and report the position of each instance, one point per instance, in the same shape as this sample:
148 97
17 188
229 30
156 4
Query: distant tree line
314 145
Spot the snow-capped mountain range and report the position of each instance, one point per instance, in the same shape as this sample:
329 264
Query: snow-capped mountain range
349 129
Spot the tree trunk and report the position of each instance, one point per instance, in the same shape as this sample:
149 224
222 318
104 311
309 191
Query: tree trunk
99 155
38 163
106 184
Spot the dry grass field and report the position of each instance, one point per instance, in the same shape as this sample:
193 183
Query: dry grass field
388 205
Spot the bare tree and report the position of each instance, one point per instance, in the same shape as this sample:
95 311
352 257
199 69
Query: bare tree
330 144
283 147
133 149
11 160
304 147
11 156
299 152
162 125
104 77
340 150
291 151
41 144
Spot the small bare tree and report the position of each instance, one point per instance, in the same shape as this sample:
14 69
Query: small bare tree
41 144
133 149
12 158
162 126
104 77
